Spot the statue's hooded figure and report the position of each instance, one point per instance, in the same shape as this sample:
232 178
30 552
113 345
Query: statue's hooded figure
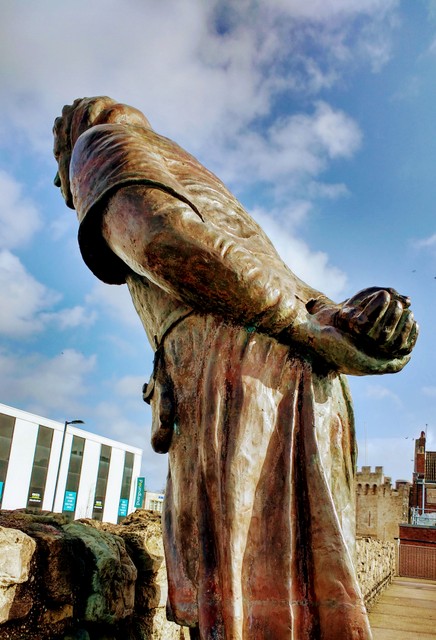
259 508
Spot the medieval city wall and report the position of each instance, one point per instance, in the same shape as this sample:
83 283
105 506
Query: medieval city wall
376 566
380 508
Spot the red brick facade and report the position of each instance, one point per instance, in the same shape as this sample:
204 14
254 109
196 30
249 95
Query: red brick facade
423 493
417 536
417 552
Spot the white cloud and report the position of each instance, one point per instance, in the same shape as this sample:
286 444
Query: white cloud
27 303
378 392
71 317
46 386
24 298
311 266
227 61
294 150
334 131
119 425
331 191
19 217
426 243
116 301
129 387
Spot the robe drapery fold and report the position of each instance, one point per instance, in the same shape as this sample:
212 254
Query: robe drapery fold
259 509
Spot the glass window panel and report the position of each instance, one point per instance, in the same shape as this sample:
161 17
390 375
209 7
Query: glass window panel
127 478
40 467
101 484
7 424
73 478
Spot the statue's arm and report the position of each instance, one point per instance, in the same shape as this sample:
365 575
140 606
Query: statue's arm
198 261
162 238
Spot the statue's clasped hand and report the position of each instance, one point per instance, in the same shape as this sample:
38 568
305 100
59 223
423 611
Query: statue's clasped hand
379 319
372 332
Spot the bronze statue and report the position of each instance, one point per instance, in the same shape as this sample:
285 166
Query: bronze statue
247 394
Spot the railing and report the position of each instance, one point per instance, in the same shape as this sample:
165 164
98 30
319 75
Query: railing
427 519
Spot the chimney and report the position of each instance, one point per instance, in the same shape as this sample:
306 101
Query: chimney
420 455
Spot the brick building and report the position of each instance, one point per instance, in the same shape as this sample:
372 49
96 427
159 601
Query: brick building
423 493
380 508
417 551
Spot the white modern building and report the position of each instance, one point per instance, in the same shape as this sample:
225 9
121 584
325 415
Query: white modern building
154 501
52 466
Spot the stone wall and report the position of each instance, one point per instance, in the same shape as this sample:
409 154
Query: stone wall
375 566
83 580
379 506
87 580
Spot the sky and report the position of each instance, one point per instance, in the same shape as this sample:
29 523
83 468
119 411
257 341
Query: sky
318 115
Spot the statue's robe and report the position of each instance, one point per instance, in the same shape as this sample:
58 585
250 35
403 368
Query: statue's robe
259 510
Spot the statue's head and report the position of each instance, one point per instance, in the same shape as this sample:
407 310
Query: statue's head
76 118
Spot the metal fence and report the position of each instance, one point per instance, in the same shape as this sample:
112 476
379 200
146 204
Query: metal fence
417 562
425 517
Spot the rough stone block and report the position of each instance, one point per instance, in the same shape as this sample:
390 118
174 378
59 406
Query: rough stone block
17 550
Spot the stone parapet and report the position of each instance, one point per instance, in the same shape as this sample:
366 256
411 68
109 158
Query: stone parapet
84 580
375 566
87 580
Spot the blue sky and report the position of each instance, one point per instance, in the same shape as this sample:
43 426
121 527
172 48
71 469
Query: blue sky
318 114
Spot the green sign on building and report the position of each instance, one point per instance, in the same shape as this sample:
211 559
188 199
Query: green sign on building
140 488
69 501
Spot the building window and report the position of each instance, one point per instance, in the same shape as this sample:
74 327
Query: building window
102 476
430 466
7 424
73 478
156 505
40 467
125 486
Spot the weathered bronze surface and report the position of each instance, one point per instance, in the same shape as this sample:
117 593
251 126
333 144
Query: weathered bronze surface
248 395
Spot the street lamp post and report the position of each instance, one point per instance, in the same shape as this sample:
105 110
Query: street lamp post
66 423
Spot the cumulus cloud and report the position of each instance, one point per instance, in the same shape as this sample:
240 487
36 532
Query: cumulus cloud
120 426
27 305
379 392
47 386
129 386
19 217
294 151
116 301
71 317
24 298
203 69
311 266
